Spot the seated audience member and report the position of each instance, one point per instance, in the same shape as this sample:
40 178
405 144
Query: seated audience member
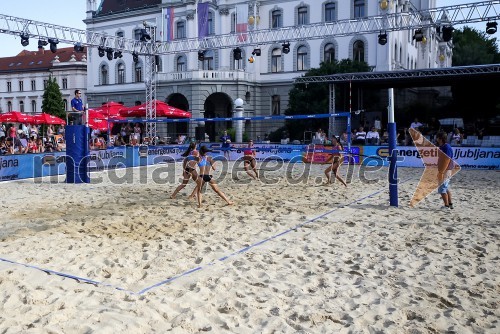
372 137
385 137
457 137
31 147
360 136
344 140
415 124
3 146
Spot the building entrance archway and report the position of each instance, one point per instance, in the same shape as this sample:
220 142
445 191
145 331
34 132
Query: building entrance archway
217 105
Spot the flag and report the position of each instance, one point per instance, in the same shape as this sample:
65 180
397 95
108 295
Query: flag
242 22
169 24
202 19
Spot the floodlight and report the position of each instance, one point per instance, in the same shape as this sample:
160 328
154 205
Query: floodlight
201 55
135 57
101 50
109 53
42 43
382 38
237 54
491 28
419 35
145 35
286 47
117 54
25 39
447 33
78 47
53 44
256 52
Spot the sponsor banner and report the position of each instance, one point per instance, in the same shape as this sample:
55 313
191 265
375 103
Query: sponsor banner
108 159
321 154
409 156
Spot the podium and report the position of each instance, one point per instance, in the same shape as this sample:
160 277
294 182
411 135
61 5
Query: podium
77 153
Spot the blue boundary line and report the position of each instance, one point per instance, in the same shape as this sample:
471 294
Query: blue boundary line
196 269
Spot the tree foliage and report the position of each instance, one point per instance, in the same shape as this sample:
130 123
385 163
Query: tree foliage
473 47
52 102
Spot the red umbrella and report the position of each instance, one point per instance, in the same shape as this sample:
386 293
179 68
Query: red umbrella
110 108
16 117
96 114
162 110
98 124
45 118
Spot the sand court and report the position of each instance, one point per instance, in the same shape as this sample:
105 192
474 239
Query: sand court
288 256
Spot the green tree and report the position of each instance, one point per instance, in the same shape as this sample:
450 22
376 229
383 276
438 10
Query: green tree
52 102
314 99
473 47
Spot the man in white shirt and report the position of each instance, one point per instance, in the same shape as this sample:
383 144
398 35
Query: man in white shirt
373 137
360 136
416 124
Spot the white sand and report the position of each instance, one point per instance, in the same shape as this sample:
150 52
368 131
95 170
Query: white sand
364 267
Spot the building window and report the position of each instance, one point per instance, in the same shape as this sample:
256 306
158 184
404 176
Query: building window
276 61
181 64
33 85
65 83
210 22
65 104
276 19
233 22
138 72
329 53
104 75
120 34
208 61
359 8
302 15
301 58
137 34
330 12
21 106
21 86
276 105
9 86
181 30
45 83
121 73
9 106
358 51
33 106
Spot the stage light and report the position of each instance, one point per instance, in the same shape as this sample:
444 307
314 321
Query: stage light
286 47
145 35
237 54
419 35
117 54
382 38
25 39
491 28
256 52
78 47
101 51
447 33
109 53
135 57
41 43
53 44
201 55
251 59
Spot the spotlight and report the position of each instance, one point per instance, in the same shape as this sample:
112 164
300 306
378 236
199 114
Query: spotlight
491 28
101 51
286 47
382 38
145 35
237 54
256 52
447 33
419 35
251 59
201 55
78 47
53 44
41 43
109 53
135 57
25 39
117 54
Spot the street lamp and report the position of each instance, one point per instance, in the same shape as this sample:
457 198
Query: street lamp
238 112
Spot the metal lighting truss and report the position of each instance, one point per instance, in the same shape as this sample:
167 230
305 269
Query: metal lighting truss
451 15
150 81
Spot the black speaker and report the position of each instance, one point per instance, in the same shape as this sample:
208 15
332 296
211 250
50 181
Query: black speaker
200 133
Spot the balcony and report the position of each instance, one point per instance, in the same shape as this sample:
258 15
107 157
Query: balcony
203 75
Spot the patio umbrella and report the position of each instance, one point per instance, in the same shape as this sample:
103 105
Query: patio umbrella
45 118
98 124
93 113
110 108
16 117
162 110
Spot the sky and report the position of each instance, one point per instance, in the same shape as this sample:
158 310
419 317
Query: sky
71 13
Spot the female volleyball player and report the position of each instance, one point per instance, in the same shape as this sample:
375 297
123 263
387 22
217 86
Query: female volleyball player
249 161
188 168
337 160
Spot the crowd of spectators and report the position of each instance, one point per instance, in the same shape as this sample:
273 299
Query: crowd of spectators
26 138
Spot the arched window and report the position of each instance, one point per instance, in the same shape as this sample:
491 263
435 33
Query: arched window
302 58
65 104
359 8
9 106
181 30
329 53
276 105
302 15
181 64
33 106
121 73
211 25
358 51
208 61
330 12
104 75
276 60
21 106
276 18
138 72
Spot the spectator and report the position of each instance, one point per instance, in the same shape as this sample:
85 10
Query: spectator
3 131
226 144
416 124
31 146
385 137
136 139
457 137
377 124
360 136
39 144
33 131
50 132
344 139
12 132
372 137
